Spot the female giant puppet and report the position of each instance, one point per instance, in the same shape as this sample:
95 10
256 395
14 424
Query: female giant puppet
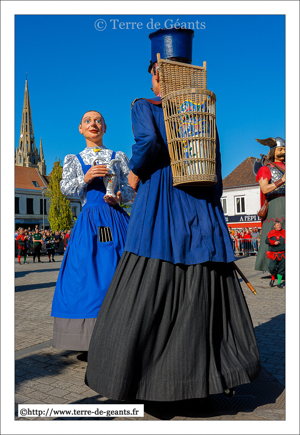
272 184
174 324
97 240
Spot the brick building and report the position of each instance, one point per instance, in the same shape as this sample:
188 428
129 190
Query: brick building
241 196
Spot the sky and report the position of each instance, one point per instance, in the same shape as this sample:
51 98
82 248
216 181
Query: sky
72 66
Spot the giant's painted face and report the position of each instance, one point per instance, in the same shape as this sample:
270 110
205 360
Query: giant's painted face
92 126
280 154
155 83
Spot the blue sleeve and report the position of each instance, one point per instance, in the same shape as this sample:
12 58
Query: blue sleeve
219 185
146 147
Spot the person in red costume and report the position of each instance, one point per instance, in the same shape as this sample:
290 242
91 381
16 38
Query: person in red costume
21 245
271 179
276 254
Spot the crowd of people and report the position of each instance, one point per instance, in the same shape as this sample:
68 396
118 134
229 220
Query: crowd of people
245 240
38 242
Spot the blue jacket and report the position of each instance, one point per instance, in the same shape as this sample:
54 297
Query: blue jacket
180 225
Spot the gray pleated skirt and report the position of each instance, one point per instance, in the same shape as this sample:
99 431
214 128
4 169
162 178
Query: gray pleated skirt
72 334
171 332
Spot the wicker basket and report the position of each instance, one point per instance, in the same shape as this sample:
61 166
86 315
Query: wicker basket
190 119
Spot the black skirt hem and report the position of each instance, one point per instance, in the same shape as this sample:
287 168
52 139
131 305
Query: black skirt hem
170 332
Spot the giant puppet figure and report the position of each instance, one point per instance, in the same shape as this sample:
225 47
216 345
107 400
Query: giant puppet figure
97 239
271 180
174 324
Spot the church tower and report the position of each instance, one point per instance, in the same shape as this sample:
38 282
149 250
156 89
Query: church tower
27 154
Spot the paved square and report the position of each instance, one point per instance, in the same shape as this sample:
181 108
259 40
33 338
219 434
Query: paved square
45 375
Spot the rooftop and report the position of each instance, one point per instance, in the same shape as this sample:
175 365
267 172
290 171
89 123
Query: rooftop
242 175
29 178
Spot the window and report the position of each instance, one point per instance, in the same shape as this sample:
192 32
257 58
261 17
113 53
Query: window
20 159
74 211
240 204
41 206
224 205
17 205
33 159
29 202
35 183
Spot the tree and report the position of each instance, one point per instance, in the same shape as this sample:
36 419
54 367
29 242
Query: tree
60 214
126 207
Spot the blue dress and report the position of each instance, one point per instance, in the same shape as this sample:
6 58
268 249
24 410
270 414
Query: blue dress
174 324
89 264
180 225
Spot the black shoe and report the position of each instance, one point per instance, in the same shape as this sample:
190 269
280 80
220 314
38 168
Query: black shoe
49 261
280 286
83 356
53 259
39 261
230 392
272 283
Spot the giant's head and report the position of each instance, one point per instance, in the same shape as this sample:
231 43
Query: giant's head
92 126
172 44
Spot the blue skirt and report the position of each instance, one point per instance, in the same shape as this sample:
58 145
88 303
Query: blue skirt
89 264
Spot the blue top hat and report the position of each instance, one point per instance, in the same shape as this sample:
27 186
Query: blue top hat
172 44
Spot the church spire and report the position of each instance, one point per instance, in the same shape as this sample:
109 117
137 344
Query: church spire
27 153
27 133
41 157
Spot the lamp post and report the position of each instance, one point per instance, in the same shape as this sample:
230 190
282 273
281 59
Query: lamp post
43 189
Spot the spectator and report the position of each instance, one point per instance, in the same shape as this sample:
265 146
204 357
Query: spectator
30 243
66 239
37 245
57 240
247 241
276 253
236 242
43 245
21 245
231 233
50 244
241 242
254 238
61 243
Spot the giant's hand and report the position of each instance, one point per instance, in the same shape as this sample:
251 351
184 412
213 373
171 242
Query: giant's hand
133 181
113 200
283 177
94 172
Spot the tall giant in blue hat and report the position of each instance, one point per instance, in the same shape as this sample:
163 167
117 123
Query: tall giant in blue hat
172 44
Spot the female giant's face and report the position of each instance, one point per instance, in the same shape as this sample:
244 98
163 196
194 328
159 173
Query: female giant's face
92 126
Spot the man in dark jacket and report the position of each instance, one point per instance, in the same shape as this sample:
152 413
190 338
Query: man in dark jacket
37 244
276 253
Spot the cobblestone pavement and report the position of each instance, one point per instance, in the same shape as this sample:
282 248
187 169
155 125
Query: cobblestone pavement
45 375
